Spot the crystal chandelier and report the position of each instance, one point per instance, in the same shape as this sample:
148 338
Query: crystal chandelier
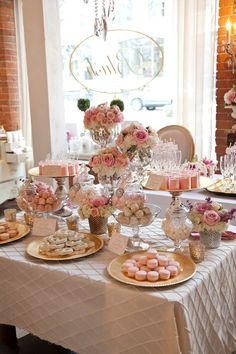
104 12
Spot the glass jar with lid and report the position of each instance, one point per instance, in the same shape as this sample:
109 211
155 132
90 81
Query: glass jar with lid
177 226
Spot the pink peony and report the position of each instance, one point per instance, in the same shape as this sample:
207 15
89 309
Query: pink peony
141 135
211 217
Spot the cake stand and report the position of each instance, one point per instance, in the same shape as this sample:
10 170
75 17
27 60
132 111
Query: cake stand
60 191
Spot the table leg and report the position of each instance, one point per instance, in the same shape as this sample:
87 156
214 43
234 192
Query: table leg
8 335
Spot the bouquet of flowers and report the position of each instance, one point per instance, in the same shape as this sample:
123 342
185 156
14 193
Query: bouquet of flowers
109 162
102 116
209 216
95 206
230 96
231 149
136 137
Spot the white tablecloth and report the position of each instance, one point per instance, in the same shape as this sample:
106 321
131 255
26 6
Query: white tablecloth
76 304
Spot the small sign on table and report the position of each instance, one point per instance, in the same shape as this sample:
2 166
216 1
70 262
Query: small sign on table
44 226
118 243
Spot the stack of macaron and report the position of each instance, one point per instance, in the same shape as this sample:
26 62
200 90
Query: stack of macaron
8 231
39 197
150 266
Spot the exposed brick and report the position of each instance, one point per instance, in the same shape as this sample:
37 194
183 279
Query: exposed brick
9 94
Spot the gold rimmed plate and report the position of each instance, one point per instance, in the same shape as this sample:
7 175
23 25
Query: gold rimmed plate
23 230
33 250
188 268
217 188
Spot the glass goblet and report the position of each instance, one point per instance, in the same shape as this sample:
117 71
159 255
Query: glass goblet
150 211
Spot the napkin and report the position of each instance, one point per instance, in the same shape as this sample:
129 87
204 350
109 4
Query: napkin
225 236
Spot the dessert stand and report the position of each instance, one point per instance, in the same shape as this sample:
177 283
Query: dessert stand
135 241
176 204
60 191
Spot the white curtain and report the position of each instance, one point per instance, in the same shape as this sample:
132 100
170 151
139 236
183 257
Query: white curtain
195 31
23 77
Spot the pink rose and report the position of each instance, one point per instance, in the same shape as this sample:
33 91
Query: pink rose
211 218
100 201
121 162
94 212
140 135
119 118
95 161
108 160
100 116
110 115
201 207
119 140
104 121
230 96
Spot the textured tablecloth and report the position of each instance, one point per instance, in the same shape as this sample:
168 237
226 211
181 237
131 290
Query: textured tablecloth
76 304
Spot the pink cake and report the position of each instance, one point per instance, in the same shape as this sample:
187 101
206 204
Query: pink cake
57 169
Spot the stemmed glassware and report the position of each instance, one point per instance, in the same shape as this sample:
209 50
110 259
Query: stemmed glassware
228 171
135 241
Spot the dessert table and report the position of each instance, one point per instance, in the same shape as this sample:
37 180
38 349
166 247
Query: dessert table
77 305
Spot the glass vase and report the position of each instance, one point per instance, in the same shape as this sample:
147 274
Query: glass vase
139 162
102 136
210 239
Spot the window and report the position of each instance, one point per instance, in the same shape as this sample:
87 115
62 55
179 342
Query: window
150 97
183 92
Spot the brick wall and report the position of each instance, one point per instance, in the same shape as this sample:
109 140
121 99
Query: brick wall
224 78
9 93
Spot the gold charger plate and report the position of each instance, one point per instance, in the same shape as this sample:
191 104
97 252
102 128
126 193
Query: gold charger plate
23 230
216 188
188 268
33 250
204 183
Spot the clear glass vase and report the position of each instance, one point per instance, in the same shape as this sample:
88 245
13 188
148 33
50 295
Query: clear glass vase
177 226
139 162
102 136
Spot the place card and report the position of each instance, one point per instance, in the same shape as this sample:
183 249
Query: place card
44 226
118 243
154 181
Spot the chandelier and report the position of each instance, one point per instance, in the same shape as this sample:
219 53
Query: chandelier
104 12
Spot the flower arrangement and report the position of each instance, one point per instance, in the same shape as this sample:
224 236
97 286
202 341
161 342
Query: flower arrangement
209 216
230 96
136 137
96 206
102 116
109 162
231 149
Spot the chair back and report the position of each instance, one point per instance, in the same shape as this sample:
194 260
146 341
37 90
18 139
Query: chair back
182 137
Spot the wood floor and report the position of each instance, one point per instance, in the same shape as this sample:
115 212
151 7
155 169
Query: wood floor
30 344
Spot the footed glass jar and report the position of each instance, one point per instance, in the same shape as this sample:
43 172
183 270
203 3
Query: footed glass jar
177 226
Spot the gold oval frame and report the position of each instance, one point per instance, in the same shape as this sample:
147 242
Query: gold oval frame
117 92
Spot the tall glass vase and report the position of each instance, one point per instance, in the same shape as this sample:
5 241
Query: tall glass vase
140 160
102 136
